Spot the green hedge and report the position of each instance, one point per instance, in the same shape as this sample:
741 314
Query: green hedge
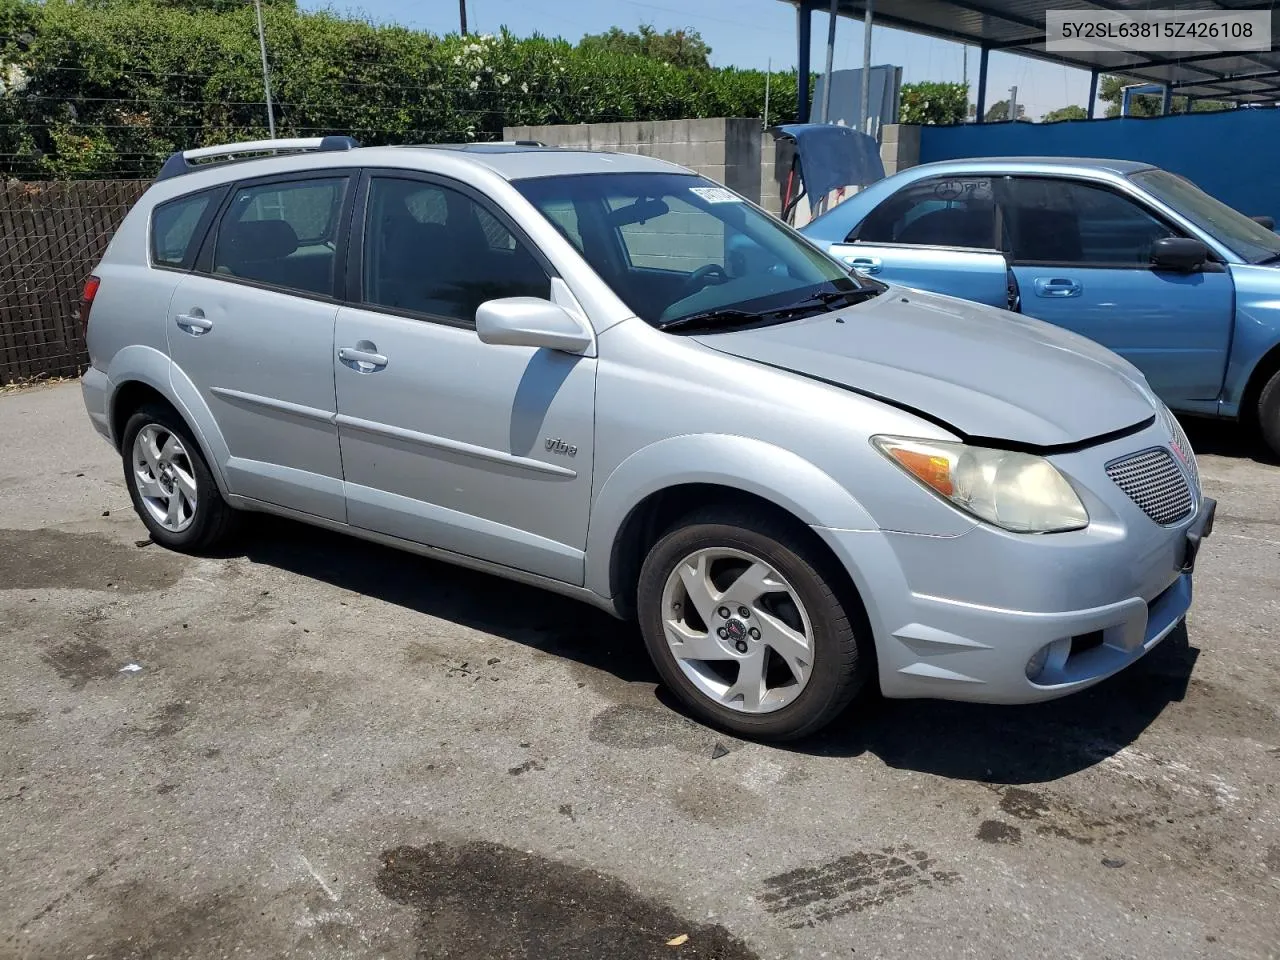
104 88
111 88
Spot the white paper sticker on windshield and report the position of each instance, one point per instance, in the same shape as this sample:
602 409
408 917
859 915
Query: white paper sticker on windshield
716 194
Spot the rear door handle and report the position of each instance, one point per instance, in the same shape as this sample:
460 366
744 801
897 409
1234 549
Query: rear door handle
195 322
363 358
1057 287
864 264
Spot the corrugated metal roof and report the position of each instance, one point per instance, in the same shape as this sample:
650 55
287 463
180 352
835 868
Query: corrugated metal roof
1018 26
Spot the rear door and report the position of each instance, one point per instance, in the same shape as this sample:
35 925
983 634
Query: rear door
939 234
1081 252
252 329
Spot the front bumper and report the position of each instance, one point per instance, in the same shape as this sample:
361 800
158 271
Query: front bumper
961 618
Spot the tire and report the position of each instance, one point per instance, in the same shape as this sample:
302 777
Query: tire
198 522
740 553
1269 413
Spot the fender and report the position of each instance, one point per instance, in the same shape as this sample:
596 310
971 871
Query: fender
148 365
1256 334
753 466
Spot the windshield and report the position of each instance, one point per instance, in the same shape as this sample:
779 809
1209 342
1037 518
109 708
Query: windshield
679 249
1246 238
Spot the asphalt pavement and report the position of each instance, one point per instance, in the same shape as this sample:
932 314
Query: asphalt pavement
311 747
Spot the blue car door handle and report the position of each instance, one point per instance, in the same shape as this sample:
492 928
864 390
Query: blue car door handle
864 264
1057 287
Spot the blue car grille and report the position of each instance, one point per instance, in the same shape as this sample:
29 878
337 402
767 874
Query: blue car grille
1153 480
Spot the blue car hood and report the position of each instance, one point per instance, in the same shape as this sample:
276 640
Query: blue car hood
986 373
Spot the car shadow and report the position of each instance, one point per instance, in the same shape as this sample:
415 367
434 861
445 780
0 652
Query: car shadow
1227 438
996 744
1031 743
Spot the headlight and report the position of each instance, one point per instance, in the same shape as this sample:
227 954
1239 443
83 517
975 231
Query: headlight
1015 491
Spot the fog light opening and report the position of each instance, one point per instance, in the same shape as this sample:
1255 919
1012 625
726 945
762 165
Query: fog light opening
1049 659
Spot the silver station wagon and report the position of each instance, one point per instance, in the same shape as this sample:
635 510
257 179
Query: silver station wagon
607 376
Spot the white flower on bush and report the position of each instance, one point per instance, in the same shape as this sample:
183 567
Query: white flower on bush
503 79
13 79
457 61
474 84
524 88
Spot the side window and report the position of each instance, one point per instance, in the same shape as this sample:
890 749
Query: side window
174 234
667 234
282 234
433 250
564 217
1067 222
944 211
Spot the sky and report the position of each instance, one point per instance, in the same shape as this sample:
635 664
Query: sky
743 33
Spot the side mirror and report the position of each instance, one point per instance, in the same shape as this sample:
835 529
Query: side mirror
1179 254
531 322
1268 222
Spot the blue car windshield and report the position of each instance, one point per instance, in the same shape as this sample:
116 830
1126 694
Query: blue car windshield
676 247
1246 238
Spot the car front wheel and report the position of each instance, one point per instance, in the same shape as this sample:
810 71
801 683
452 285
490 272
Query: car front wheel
743 618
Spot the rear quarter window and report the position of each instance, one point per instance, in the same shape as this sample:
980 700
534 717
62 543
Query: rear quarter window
177 228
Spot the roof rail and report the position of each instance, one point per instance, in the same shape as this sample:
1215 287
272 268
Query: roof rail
180 162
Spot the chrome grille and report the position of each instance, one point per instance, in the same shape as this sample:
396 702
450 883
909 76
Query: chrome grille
1153 481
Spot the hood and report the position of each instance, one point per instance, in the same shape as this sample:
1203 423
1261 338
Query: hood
986 373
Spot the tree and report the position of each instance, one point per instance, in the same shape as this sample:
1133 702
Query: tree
1000 111
1111 92
680 48
1065 113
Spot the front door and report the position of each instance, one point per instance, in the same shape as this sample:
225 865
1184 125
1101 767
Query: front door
479 449
252 329
939 235
1082 255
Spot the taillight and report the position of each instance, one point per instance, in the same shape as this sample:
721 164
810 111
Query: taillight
86 302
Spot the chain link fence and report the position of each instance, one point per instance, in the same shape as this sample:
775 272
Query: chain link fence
51 235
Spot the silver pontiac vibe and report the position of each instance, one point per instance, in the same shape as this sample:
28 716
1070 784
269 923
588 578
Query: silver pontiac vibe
610 377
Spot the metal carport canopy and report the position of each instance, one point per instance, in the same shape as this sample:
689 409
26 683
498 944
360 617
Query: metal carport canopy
1018 26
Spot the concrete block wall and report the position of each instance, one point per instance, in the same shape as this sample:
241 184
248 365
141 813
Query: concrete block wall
724 149
899 147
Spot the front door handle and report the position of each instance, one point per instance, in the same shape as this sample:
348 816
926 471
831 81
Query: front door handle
1058 287
194 323
864 264
363 357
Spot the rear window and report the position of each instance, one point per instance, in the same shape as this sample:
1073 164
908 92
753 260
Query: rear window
174 233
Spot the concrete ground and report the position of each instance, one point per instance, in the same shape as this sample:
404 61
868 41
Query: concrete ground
312 747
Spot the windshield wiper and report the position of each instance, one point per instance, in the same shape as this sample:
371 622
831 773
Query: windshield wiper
831 298
825 299
711 318
1267 260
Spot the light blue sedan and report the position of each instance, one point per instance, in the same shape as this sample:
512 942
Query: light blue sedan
1132 256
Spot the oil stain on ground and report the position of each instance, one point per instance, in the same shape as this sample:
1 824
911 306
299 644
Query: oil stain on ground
645 728
51 559
482 899
997 831
809 896
80 660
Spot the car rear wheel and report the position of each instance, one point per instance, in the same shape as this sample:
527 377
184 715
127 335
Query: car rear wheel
170 484
744 620
1269 413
